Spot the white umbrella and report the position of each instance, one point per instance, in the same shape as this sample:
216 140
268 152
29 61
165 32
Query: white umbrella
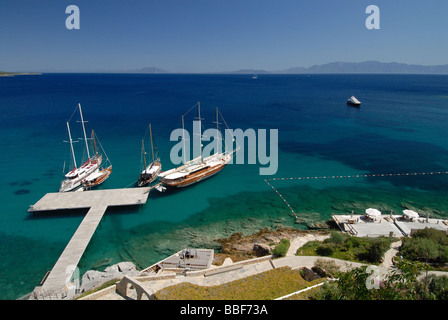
373 212
410 213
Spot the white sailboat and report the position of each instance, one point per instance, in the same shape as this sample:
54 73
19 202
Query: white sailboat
73 178
150 172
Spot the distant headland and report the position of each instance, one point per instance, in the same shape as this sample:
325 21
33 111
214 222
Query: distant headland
12 74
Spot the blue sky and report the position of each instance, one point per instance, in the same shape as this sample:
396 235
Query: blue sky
218 35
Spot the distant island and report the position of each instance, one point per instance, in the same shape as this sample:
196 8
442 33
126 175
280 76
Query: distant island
365 67
12 74
368 67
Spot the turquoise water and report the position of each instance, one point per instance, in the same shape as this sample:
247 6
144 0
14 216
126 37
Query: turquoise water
400 127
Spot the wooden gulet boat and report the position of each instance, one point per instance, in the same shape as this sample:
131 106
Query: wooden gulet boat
151 171
198 169
101 174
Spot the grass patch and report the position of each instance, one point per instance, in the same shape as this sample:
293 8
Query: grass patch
306 295
263 286
282 248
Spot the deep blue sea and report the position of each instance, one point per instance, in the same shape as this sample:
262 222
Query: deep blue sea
401 127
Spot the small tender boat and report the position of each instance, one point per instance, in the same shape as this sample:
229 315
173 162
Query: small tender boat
353 101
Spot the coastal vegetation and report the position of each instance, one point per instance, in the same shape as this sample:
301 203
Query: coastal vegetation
346 247
12 74
281 249
402 283
427 245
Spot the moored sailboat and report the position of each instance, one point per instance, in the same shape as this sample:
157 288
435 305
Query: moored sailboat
73 179
151 171
199 168
100 174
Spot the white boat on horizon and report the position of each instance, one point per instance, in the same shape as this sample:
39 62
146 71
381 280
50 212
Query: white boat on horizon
353 101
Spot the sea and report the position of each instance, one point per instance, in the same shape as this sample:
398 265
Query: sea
400 128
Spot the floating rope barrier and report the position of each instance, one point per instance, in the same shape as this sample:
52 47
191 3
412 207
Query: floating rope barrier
345 176
292 210
363 175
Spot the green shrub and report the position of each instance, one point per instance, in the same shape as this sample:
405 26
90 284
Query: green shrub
337 237
326 268
282 248
352 242
324 250
375 251
428 245
438 236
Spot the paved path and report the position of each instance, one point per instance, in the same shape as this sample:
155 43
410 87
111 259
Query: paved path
303 239
390 254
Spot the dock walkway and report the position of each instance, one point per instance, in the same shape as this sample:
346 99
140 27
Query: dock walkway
97 201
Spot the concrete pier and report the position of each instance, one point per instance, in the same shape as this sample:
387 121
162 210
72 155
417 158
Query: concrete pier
97 201
88 199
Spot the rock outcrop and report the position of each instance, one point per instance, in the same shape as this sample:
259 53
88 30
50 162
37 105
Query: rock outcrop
261 243
93 278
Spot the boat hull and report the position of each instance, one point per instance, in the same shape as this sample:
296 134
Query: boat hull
193 177
353 104
145 179
105 173
89 167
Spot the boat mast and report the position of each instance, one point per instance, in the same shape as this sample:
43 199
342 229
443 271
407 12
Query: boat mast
217 132
94 143
143 153
84 130
71 144
152 148
183 139
200 130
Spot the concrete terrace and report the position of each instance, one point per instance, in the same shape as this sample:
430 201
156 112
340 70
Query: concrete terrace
385 225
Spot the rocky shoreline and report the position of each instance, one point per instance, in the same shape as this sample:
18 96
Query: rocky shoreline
239 247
